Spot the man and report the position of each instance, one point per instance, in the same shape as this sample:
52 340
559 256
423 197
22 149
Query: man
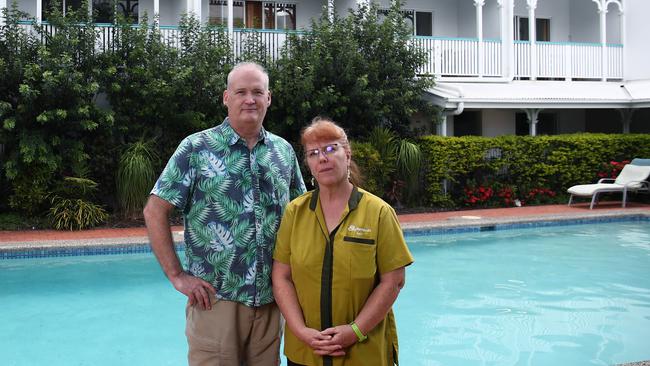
232 182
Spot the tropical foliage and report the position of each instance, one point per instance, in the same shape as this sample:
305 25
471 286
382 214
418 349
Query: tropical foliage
136 175
357 70
72 208
473 170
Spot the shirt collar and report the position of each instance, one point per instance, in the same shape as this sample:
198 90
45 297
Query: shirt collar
233 136
353 201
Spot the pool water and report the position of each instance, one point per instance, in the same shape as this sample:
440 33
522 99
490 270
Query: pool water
572 295
567 295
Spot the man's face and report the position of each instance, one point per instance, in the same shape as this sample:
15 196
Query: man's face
247 97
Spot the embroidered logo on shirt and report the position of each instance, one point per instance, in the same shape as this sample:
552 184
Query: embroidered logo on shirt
359 230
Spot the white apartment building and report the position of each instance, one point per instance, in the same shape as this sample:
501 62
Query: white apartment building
587 69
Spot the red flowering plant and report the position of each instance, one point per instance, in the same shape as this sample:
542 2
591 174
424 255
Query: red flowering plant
478 195
612 169
508 196
539 196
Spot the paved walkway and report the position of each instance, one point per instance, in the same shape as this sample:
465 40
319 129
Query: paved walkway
51 238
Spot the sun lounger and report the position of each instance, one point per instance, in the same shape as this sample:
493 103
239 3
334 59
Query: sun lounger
632 178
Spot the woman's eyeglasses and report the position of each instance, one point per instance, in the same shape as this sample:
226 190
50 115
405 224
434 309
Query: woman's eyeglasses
325 150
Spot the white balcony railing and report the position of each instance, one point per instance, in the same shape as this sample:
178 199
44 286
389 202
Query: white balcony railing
447 57
568 60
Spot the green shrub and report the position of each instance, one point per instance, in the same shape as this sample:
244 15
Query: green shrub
357 70
538 169
135 177
371 165
71 207
75 214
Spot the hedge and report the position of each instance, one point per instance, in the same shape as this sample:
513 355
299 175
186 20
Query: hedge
455 165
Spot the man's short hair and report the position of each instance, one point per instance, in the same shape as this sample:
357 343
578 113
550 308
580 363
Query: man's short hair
254 65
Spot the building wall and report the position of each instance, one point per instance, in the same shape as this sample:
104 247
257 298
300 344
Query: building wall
466 19
308 10
558 11
445 14
450 125
584 22
498 122
28 7
637 46
491 20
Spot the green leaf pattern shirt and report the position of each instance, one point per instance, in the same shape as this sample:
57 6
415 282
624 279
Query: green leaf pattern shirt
232 200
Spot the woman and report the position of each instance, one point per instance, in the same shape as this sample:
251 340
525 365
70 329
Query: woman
338 263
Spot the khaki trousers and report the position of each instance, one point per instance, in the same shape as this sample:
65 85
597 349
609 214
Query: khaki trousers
232 334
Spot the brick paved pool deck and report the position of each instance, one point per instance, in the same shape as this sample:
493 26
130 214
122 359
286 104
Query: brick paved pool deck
105 236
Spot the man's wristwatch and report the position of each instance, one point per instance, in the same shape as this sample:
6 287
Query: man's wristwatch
360 336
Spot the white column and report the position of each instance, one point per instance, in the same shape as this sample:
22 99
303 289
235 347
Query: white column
532 36
189 4
330 10
507 39
442 126
623 38
603 42
39 11
533 118
231 22
479 35
3 4
197 11
626 118
156 8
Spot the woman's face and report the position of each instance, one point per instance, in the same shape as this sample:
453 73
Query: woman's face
328 161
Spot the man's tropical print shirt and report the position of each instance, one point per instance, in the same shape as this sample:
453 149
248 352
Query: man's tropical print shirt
232 199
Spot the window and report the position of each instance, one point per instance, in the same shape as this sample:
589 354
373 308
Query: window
66 6
546 124
253 14
218 13
420 22
423 23
128 9
286 16
542 29
103 11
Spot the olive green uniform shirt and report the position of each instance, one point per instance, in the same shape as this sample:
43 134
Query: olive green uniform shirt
335 273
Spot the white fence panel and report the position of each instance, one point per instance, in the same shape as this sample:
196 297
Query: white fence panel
492 57
445 57
551 60
522 59
459 57
427 44
615 61
586 61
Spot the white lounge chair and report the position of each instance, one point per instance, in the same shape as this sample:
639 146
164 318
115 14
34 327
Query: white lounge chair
632 178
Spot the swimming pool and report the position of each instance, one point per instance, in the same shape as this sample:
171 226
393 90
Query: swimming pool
567 295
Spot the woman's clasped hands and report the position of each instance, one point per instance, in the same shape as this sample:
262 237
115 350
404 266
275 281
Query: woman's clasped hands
329 342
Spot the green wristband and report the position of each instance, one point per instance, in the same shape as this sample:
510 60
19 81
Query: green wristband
361 337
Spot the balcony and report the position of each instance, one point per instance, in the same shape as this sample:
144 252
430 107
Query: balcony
453 58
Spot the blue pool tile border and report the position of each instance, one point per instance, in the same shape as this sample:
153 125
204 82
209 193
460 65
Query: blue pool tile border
133 248
415 232
80 251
